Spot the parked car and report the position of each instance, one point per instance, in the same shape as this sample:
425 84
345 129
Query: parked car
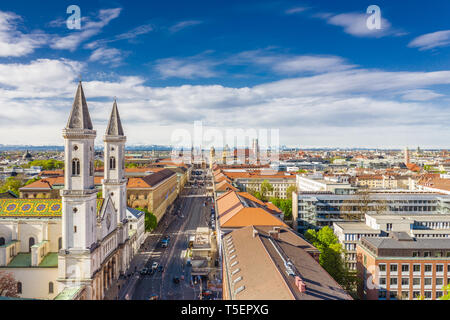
176 280
160 268
154 265
144 271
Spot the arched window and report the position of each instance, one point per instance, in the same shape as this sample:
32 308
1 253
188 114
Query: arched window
59 243
2 241
112 163
31 243
50 287
19 287
91 169
75 167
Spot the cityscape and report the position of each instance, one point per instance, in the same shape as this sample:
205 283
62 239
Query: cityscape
140 163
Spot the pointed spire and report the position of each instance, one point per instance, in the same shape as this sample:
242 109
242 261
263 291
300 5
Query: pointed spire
79 116
114 125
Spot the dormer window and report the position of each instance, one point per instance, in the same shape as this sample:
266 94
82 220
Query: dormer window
75 167
112 163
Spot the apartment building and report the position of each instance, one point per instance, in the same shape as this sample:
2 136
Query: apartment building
380 225
319 182
252 180
319 209
403 267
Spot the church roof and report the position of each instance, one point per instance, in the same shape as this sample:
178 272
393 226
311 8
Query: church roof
34 208
114 125
79 116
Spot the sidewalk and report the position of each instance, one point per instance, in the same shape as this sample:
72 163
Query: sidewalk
123 287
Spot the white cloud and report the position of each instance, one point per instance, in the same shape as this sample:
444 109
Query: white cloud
356 25
187 68
296 10
14 43
184 24
89 29
431 40
107 56
420 95
291 64
341 108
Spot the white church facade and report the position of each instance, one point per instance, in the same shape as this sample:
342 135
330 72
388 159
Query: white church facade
74 247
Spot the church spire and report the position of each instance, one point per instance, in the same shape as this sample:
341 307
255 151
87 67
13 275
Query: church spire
79 116
114 125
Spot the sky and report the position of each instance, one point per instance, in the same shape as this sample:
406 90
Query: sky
313 70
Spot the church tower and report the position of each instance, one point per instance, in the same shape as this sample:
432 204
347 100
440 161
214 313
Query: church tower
79 196
114 182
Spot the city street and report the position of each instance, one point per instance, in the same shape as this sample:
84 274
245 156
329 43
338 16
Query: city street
179 226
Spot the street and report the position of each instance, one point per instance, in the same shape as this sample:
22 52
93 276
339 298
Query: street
179 226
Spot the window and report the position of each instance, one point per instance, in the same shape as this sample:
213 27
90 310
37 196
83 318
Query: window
382 281
59 243
75 167
75 229
405 268
416 281
382 294
393 267
50 287
2 241
427 294
31 243
392 295
405 282
439 268
439 294
112 163
405 295
415 254
427 254
393 281
428 268
19 287
428 281
439 282
416 294
91 169
382 267
416 268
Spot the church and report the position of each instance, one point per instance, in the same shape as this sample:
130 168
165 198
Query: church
76 246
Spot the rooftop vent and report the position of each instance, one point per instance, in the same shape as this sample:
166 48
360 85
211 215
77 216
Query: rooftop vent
235 271
240 289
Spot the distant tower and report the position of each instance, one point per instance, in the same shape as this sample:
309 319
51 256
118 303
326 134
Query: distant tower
79 197
406 154
225 154
212 155
255 150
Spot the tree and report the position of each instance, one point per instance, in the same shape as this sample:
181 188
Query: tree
50 164
8 285
98 164
284 205
265 188
150 219
289 191
447 296
11 184
331 257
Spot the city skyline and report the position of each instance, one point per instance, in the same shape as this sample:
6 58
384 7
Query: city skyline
239 65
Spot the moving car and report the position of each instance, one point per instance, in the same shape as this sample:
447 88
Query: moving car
154 265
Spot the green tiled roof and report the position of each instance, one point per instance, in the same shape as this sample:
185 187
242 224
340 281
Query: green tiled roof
69 293
22 260
50 260
34 208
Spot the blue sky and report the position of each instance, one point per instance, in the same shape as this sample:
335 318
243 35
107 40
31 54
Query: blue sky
311 69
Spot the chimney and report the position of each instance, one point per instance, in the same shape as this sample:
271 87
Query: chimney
300 284
273 234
